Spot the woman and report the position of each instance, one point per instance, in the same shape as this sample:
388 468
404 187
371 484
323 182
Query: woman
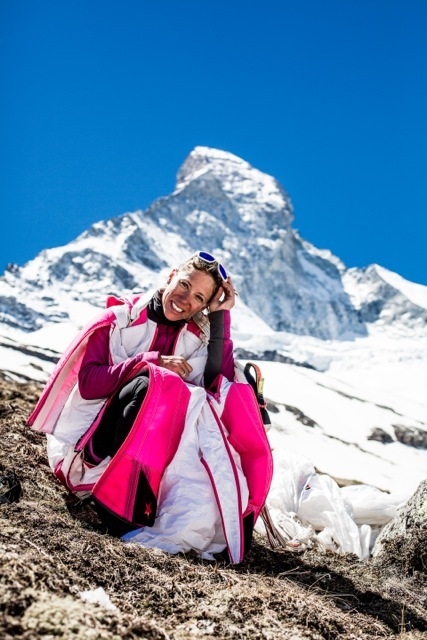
146 415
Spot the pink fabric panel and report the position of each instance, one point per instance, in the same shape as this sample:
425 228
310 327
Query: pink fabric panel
242 419
141 318
161 419
63 378
150 445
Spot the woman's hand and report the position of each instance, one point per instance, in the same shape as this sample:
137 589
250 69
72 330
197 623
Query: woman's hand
225 297
177 364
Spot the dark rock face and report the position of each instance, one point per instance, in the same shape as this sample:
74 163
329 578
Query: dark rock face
379 435
402 544
271 355
411 436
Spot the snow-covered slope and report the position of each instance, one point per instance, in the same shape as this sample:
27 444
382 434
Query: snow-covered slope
344 350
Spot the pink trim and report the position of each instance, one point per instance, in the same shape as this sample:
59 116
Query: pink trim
194 328
247 435
237 484
219 504
79 486
58 473
141 319
150 445
63 378
214 390
113 301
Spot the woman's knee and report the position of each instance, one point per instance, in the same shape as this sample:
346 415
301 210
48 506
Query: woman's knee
134 389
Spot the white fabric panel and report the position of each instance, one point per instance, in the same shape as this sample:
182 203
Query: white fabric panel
76 416
188 516
136 339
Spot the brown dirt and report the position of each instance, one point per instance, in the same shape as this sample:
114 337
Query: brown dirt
52 547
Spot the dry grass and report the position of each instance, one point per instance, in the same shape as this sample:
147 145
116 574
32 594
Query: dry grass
52 547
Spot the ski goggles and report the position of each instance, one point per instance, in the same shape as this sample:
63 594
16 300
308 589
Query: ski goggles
207 257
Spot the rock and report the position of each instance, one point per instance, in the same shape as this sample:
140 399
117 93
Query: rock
411 436
380 435
401 544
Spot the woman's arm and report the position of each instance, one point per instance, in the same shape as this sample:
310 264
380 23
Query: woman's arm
220 349
98 378
220 358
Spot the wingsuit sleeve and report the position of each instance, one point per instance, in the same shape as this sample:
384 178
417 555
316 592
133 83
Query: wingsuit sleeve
98 378
220 359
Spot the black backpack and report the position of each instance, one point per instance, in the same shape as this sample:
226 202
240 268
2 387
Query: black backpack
10 487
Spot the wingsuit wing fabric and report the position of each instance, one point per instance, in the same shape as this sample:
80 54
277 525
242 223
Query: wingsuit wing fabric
194 465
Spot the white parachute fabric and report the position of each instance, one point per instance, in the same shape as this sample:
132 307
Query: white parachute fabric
307 507
372 506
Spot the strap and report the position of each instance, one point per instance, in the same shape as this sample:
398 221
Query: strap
256 381
275 538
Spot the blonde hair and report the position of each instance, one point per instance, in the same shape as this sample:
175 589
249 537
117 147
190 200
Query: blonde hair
211 268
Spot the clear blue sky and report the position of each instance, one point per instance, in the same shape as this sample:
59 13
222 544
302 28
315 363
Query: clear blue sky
103 100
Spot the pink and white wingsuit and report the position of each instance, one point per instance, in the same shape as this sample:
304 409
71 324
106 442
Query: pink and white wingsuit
196 467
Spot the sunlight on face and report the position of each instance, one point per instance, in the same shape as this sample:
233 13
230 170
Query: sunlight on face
187 293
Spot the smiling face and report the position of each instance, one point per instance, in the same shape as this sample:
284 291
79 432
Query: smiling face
187 292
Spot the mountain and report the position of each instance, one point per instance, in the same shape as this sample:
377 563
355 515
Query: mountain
241 215
345 349
383 297
220 202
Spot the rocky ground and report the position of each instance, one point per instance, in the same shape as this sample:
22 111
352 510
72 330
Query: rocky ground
52 548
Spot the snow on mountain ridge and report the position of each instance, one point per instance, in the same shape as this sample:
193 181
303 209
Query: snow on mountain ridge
416 293
243 216
384 299
250 231
240 182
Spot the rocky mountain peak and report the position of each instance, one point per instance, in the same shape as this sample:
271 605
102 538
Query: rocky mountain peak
385 298
240 183
223 205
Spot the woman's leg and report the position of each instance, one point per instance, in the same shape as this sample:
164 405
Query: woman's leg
115 425
117 420
130 399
